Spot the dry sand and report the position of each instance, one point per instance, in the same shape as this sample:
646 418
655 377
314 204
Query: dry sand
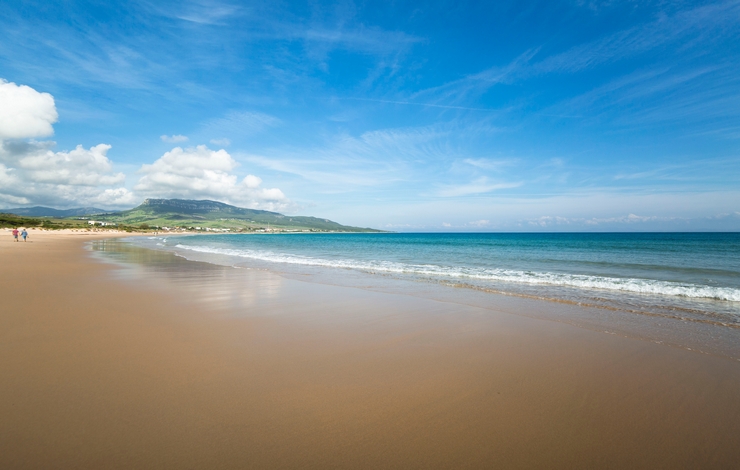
99 372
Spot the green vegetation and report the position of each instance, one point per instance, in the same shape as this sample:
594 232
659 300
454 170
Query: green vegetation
53 223
41 211
11 220
179 214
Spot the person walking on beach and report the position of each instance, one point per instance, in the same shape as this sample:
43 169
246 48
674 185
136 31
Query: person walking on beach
15 234
24 234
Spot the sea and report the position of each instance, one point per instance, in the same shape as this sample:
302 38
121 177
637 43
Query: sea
686 276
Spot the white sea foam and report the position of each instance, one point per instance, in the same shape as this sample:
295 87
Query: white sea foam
632 285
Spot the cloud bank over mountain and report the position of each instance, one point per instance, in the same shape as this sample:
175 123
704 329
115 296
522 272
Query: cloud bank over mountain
33 173
202 173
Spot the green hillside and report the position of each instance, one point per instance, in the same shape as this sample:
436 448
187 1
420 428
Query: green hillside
12 220
195 215
41 211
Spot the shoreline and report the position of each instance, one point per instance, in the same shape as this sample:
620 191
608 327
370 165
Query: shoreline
706 332
171 363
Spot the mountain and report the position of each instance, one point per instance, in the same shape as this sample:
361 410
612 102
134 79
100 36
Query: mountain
211 214
40 211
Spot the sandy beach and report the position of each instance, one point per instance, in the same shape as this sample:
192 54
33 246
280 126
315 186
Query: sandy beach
201 366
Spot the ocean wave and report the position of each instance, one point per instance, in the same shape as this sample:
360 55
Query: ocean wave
581 281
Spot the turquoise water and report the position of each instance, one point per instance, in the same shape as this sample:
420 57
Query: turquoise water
689 274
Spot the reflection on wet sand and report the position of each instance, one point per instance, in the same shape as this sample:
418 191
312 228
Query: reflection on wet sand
248 291
211 286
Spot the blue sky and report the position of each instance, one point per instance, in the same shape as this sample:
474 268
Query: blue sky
459 116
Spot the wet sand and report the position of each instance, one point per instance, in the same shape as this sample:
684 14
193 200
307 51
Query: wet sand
189 365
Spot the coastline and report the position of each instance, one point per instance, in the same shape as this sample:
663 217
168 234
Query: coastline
218 367
712 330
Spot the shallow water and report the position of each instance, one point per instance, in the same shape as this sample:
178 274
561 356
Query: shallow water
692 276
214 285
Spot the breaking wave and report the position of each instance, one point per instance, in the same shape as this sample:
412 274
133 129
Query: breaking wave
581 281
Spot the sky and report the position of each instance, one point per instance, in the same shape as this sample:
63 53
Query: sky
569 115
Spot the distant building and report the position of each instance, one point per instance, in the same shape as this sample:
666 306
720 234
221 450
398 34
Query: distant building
102 224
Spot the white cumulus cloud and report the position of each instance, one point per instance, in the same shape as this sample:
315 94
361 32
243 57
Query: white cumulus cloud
202 173
24 112
32 173
82 167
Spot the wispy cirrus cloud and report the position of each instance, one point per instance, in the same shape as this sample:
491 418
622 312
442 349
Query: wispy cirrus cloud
91 58
221 142
362 38
239 124
207 12
660 96
482 185
345 162
176 138
150 60
472 86
331 178
702 20
489 164
424 105
710 22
